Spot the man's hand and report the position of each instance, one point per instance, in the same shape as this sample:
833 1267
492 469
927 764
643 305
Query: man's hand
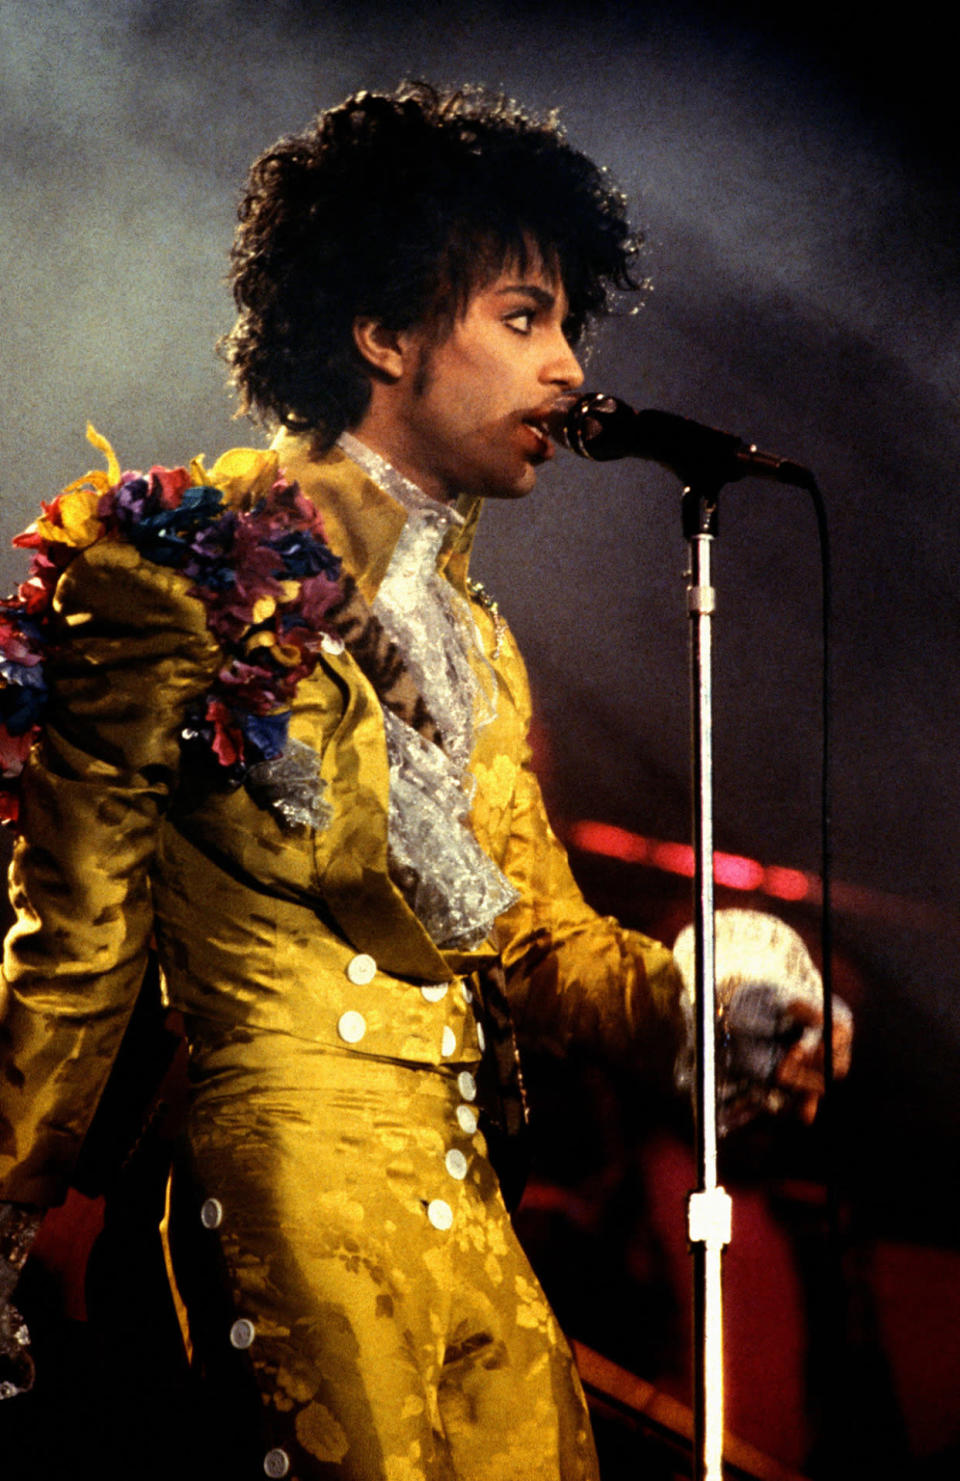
770 1018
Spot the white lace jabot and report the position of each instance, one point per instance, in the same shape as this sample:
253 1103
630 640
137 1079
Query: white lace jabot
454 889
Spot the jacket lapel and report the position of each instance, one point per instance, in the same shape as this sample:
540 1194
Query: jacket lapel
362 524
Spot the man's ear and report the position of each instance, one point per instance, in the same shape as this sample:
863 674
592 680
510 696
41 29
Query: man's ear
384 350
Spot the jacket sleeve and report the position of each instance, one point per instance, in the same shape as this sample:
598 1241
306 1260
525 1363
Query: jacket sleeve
572 974
132 653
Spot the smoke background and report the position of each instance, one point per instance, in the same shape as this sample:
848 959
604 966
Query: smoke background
796 181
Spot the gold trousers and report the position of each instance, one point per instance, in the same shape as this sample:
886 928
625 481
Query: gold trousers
378 1295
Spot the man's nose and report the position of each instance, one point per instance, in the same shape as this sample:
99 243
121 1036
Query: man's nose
565 369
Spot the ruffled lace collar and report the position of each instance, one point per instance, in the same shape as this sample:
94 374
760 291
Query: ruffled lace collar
456 891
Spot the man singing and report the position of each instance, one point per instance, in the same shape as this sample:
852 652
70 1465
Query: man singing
282 736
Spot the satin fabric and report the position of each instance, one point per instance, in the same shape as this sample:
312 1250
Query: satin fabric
258 931
385 1344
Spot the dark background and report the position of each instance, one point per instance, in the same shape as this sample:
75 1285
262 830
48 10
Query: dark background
796 179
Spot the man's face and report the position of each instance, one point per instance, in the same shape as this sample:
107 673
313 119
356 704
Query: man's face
468 416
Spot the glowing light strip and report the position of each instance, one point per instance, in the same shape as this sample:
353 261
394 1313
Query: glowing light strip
738 873
732 870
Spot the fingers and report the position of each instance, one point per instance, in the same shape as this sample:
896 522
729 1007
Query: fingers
811 1014
842 1046
801 1010
801 1069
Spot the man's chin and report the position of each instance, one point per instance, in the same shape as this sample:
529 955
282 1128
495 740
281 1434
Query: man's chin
516 487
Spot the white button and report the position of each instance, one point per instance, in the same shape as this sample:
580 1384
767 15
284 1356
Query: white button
276 1463
456 1164
333 645
434 992
440 1214
467 1117
211 1214
448 1041
467 1085
242 1333
467 994
481 1037
351 1027
361 969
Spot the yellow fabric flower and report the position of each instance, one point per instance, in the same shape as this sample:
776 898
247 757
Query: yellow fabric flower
97 440
263 609
76 522
243 475
75 509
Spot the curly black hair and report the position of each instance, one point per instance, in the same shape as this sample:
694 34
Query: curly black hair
398 207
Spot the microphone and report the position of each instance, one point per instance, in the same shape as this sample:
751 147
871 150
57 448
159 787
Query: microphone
600 427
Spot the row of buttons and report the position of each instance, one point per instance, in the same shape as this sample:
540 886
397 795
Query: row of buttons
362 968
439 1212
276 1462
352 1026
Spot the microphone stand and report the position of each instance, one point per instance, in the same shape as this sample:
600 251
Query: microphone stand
709 1206
600 427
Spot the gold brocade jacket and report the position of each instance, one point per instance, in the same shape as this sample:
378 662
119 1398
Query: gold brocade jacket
262 930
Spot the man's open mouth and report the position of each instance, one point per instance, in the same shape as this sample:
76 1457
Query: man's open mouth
538 426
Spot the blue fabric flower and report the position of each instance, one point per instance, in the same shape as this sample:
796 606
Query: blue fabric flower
304 555
267 733
160 536
23 698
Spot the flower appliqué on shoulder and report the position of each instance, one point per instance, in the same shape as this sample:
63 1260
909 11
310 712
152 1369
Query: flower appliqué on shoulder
253 547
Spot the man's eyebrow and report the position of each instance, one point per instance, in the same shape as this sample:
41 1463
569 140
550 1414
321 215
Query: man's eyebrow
542 296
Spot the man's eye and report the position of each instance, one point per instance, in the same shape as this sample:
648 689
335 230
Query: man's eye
521 320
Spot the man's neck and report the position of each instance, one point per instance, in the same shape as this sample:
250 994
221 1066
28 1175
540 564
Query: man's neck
385 434
390 476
